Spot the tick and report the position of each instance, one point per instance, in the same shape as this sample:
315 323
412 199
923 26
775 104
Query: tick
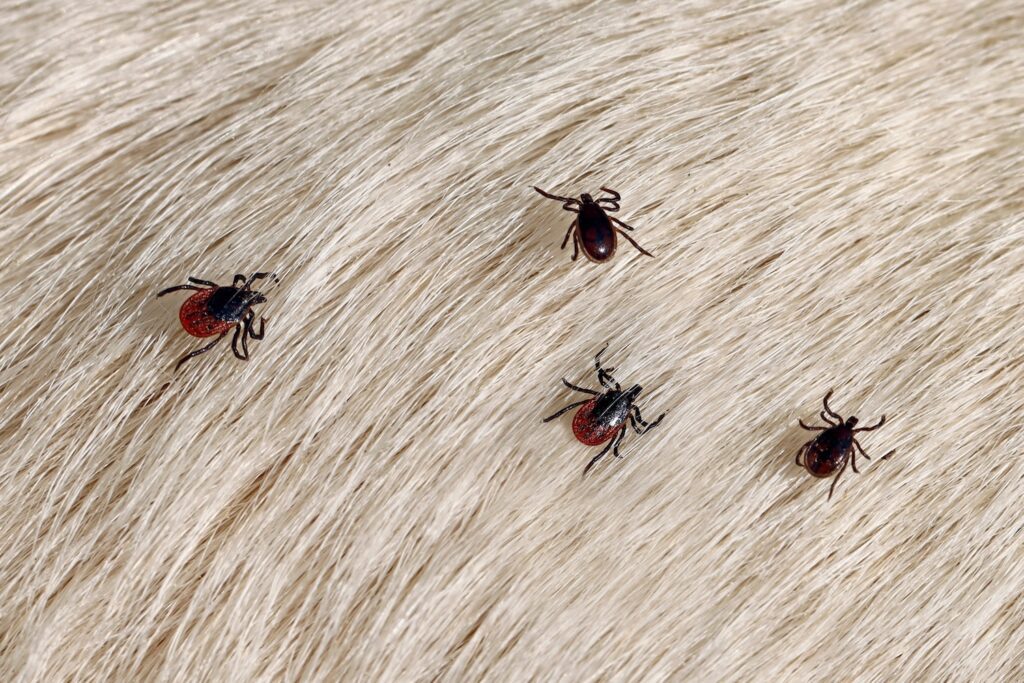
603 418
592 228
214 310
827 453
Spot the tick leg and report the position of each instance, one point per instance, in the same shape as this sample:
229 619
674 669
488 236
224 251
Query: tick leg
199 351
581 389
800 452
575 246
828 410
568 233
868 429
632 241
603 377
175 289
609 203
632 421
566 409
621 224
604 374
598 457
257 276
566 200
826 419
861 449
853 460
252 329
618 440
836 481
654 424
197 281
811 428
648 426
234 344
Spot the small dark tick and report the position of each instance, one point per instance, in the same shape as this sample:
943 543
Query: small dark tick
603 418
215 310
827 453
593 227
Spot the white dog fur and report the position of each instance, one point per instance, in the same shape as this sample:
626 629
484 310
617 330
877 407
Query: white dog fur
834 195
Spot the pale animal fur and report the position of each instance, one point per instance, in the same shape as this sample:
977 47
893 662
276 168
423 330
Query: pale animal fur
833 192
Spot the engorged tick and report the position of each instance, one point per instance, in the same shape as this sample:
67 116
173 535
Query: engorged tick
828 453
603 418
215 310
593 227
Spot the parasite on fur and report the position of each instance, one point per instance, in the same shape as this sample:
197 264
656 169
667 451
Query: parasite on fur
827 454
603 417
214 310
593 228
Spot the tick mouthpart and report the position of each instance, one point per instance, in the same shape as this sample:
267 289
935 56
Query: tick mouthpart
587 199
851 422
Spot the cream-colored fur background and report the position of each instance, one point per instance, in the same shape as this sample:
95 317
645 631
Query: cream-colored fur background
834 193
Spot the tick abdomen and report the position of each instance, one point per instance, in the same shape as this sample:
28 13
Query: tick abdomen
829 451
596 233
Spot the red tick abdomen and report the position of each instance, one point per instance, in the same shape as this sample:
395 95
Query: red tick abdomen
589 430
196 319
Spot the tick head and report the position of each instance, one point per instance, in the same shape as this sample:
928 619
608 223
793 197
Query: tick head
633 392
586 198
254 298
851 422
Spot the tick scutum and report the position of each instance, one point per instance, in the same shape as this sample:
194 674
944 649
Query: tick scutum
231 303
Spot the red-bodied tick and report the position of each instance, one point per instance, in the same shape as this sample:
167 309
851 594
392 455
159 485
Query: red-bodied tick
603 418
215 310
827 454
593 227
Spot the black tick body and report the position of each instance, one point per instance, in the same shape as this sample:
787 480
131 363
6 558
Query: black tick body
604 417
593 229
827 454
231 303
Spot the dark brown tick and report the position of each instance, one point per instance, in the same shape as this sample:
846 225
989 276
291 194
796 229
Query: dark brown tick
603 417
827 454
593 227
